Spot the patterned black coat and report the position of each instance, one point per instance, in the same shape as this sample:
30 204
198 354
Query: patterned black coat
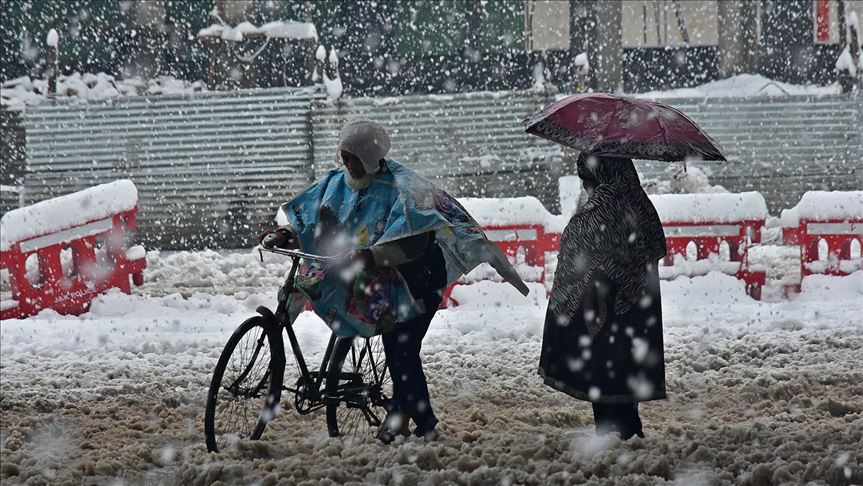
624 362
603 330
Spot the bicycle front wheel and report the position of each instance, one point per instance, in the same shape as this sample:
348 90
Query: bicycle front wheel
246 387
358 387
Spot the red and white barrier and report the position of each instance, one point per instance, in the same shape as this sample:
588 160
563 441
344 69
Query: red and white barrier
712 232
62 252
828 227
699 229
522 228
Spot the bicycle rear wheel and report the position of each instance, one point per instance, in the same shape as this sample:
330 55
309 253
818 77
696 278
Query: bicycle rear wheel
358 387
246 387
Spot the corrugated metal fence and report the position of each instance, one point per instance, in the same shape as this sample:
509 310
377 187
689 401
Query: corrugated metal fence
469 144
782 146
212 168
11 159
209 167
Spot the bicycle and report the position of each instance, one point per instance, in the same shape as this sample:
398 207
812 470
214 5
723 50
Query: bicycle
242 403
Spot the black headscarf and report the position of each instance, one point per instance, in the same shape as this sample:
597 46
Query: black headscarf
617 232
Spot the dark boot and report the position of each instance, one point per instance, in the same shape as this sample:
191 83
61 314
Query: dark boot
427 430
395 424
617 417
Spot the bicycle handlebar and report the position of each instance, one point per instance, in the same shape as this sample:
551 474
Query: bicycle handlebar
296 254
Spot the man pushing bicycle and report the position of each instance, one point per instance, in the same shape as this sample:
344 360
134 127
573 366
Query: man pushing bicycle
402 241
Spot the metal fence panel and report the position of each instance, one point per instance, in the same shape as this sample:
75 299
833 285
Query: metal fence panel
470 144
213 167
210 168
11 159
473 144
783 146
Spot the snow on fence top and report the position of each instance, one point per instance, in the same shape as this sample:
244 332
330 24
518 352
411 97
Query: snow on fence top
824 205
512 211
709 208
743 85
59 213
282 30
21 92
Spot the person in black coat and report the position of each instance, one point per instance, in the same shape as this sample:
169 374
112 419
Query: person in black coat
602 340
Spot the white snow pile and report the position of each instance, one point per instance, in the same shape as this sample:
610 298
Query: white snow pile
683 267
538 74
759 393
743 85
781 264
846 63
21 92
831 263
277 29
709 208
320 56
59 213
681 180
321 73
581 63
823 206
569 189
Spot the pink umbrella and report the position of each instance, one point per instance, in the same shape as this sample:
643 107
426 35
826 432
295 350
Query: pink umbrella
616 126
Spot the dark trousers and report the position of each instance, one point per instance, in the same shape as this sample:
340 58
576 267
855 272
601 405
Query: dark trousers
410 388
617 417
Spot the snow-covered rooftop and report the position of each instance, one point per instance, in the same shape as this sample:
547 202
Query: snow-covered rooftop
278 29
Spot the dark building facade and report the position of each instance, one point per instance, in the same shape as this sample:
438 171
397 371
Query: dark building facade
415 46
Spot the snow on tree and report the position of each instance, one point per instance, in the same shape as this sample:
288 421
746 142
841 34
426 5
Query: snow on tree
52 39
320 57
332 80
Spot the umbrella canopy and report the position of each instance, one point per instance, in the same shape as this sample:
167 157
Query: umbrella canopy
617 126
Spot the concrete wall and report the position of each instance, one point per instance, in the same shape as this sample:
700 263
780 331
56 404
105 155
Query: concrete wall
549 27
700 19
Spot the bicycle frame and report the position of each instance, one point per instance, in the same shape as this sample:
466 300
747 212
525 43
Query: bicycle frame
281 319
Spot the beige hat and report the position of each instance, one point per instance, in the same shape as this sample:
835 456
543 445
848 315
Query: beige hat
367 140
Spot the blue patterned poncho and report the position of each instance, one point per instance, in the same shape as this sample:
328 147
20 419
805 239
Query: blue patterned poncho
330 217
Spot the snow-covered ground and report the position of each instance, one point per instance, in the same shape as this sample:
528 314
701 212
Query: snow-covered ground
760 392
